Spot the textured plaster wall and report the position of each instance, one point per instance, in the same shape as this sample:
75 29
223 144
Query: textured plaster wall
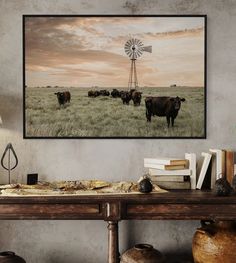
86 241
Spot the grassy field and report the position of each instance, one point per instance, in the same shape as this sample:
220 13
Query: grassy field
108 117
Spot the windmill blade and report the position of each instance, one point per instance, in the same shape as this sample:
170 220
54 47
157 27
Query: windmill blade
129 42
147 49
127 50
127 45
129 54
140 43
139 53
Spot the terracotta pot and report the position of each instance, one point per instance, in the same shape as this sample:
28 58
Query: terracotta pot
142 253
10 257
215 242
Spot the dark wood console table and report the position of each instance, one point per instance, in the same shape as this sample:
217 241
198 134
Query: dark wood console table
182 205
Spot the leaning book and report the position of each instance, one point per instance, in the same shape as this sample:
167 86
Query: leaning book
204 168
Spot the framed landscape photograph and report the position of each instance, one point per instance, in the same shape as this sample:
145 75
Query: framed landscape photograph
114 76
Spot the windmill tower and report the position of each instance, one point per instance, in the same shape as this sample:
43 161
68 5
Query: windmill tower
134 48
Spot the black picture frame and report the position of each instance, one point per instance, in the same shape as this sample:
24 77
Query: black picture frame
27 136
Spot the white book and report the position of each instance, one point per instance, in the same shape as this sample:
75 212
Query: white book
192 158
164 166
220 156
166 161
205 165
154 172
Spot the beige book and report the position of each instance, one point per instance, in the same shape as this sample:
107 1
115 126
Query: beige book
174 185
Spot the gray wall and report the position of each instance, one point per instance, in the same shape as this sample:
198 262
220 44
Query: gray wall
86 241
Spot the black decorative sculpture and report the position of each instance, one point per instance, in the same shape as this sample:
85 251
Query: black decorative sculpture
9 149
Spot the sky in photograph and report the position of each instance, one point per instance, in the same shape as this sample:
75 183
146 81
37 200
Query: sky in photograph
85 52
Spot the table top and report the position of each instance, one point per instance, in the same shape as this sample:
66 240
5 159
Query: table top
171 197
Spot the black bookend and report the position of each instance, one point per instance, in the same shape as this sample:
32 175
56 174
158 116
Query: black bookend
32 179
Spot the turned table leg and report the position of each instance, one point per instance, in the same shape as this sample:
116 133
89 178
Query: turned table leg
113 242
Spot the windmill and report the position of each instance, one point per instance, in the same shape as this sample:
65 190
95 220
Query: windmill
134 48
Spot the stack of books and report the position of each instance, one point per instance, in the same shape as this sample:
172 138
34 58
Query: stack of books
172 173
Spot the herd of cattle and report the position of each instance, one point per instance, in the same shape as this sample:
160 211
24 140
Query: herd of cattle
155 106
126 96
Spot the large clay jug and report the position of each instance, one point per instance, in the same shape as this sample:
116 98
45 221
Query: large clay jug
142 253
215 242
10 257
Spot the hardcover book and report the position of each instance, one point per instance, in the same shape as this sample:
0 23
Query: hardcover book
154 172
166 161
192 158
204 168
164 167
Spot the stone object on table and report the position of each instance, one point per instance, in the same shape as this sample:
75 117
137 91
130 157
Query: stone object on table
223 187
145 185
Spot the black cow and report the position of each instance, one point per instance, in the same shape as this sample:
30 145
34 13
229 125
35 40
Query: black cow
104 92
136 97
63 97
93 93
163 107
115 93
90 93
97 93
125 97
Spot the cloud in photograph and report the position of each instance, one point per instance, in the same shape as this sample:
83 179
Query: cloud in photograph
89 51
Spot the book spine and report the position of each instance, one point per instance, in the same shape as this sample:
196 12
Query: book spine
213 170
170 178
156 161
219 168
229 166
174 167
154 166
166 162
154 172
164 167
174 185
191 157
219 159
223 160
